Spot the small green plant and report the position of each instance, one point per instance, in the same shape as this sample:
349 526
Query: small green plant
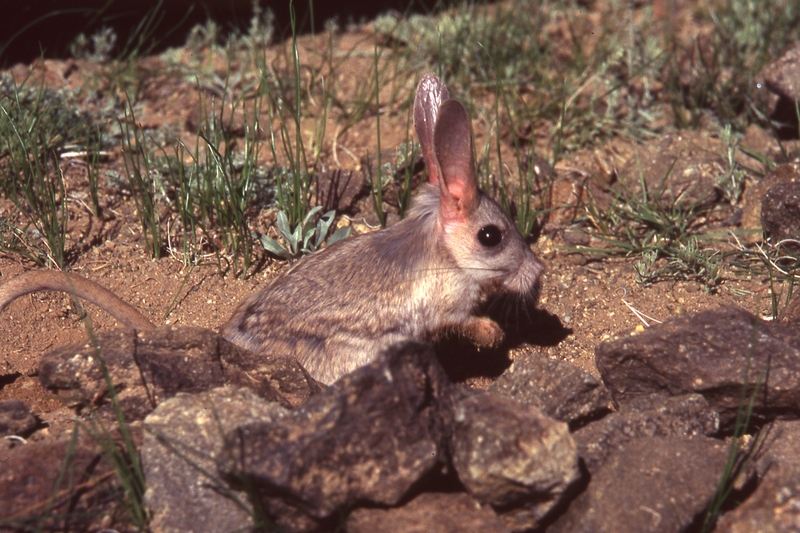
665 233
406 157
306 237
376 185
143 186
732 182
292 196
683 261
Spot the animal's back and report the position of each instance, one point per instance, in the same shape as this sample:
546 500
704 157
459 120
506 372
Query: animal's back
337 309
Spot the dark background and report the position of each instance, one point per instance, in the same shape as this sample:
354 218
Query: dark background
33 28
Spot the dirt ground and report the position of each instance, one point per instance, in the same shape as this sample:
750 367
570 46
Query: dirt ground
582 301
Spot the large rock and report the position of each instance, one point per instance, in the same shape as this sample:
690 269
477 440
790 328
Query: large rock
183 445
558 389
149 367
651 416
652 484
369 438
710 353
512 456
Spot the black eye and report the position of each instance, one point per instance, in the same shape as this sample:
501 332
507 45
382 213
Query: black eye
490 236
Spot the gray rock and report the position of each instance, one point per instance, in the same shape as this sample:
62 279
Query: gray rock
15 418
368 438
780 214
430 512
152 366
708 353
652 484
183 444
558 389
681 416
512 456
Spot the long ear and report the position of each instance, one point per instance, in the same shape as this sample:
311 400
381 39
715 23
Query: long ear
431 92
453 144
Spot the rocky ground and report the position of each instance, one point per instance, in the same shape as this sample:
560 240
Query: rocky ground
611 406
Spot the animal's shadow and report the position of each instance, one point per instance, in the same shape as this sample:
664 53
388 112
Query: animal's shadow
537 327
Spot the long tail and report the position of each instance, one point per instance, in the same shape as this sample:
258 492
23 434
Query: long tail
42 280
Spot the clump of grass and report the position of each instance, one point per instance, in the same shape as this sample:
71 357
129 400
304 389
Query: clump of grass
141 181
37 124
732 182
468 43
211 187
227 180
292 195
208 187
666 235
681 261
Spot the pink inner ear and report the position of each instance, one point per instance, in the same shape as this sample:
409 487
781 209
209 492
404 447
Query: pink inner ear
456 188
453 146
456 199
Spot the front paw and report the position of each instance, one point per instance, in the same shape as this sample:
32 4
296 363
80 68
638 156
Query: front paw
482 332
